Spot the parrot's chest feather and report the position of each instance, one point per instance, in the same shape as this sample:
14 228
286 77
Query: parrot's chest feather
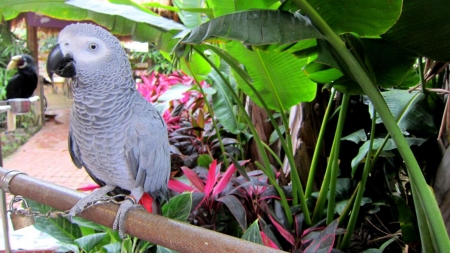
99 124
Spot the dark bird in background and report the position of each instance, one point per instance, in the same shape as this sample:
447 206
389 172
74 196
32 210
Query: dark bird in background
24 82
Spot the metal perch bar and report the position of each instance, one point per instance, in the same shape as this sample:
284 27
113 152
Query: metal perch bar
159 230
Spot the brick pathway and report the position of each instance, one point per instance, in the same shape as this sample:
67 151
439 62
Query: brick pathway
46 156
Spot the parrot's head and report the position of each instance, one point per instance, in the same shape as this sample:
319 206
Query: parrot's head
89 53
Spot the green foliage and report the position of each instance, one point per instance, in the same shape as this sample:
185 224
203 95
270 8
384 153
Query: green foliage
86 236
277 55
252 233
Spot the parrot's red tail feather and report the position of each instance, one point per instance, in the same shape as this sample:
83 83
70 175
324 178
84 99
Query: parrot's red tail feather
146 201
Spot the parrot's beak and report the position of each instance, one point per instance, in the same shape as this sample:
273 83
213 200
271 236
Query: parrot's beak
62 65
15 62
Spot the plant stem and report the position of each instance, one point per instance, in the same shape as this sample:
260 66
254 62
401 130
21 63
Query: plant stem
219 137
315 158
421 74
322 198
335 161
425 196
267 167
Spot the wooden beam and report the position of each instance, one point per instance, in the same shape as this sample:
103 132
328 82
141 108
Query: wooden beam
32 42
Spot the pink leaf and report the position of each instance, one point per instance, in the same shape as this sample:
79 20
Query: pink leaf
226 178
88 187
178 186
212 177
285 233
266 241
194 178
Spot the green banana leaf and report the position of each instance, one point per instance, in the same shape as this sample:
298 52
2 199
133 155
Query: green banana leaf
387 64
268 71
414 110
221 7
256 27
368 18
120 19
423 28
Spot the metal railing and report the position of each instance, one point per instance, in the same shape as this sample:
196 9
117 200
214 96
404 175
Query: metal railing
157 229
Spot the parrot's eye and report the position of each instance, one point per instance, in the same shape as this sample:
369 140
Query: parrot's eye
93 46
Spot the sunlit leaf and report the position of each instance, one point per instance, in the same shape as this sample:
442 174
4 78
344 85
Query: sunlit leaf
268 72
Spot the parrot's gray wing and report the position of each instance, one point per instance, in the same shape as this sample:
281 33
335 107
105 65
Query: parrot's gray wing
147 149
74 152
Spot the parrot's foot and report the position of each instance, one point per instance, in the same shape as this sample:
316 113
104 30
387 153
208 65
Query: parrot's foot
124 208
81 205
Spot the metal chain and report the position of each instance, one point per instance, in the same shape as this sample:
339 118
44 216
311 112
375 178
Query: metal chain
56 214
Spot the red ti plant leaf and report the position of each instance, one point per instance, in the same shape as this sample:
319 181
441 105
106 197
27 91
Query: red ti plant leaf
284 232
226 178
88 187
194 178
323 242
212 178
178 186
267 242
236 208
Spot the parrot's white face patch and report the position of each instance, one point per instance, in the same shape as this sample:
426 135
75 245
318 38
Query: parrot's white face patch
85 49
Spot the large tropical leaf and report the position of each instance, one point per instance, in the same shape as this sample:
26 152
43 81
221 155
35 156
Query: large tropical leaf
390 145
414 111
189 18
423 28
268 70
256 27
221 7
120 19
363 17
387 64
129 12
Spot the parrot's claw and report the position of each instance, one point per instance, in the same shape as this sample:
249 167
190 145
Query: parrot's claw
124 208
83 203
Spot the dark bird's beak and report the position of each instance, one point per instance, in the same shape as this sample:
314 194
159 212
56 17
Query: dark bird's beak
62 65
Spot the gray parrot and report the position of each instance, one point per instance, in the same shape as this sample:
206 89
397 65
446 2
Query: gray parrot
114 133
